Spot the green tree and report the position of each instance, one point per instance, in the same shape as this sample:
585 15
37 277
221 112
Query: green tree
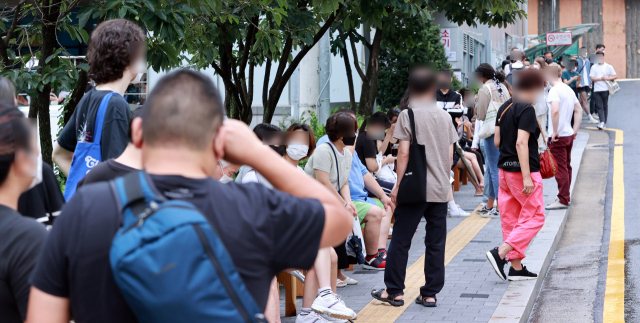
389 16
395 64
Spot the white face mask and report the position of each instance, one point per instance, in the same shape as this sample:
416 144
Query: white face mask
224 179
37 179
536 67
297 152
139 67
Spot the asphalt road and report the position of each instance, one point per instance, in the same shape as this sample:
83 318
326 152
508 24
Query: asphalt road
574 288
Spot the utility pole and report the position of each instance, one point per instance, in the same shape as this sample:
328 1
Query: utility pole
323 103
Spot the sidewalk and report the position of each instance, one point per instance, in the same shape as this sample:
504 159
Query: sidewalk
472 290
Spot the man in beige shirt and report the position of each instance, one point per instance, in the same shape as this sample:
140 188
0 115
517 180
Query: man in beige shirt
436 132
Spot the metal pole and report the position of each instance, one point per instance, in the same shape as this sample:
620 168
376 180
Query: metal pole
553 15
294 96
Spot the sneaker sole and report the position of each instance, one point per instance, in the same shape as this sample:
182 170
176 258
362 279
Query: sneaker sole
332 313
519 278
372 268
494 265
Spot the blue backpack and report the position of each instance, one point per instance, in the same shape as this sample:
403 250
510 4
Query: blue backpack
87 154
169 263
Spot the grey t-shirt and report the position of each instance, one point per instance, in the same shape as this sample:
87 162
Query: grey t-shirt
324 160
435 131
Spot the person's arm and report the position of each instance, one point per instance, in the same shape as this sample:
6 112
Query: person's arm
476 137
346 192
482 102
496 137
555 119
382 146
401 167
62 158
451 154
372 164
323 178
372 186
237 144
522 147
46 308
577 117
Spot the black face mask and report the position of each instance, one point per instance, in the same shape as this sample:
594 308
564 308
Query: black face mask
279 149
349 141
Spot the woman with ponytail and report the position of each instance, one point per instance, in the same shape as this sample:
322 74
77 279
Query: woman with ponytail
494 91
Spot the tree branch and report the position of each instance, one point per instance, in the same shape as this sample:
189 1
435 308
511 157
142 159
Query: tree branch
355 58
251 33
66 12
14 24
265 84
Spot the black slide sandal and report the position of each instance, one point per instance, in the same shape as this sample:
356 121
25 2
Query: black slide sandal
390 298
420 300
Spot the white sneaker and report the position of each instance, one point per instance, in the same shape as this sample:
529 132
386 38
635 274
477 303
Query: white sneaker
556 205
595 116
458 213
493 213
601 125
312 317
328 318
592 120
331 305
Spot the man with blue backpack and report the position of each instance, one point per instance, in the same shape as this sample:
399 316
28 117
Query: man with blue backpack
97 130
172 244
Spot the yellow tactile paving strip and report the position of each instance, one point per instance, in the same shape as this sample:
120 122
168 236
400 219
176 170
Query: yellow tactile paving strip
457 239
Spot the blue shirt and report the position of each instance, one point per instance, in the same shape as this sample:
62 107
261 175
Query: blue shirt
356 175
566 75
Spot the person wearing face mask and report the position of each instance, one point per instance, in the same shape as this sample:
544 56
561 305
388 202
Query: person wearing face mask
331 164
584 85
571 77
600 73
269 135
116 56
521 196
22 237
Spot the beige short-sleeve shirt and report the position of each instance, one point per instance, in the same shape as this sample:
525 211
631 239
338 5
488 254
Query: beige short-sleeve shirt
323 159
434 130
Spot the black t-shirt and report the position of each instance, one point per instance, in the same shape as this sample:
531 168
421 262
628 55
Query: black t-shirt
265 231
448 100
21 241
519 116
43 200
114 129
365 147
105 171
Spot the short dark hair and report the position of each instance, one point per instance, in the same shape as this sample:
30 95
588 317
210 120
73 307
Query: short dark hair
183 108
404 101
421 80
548 52
14 135
599 46
379 118
526 59
113 45
137 113
600 53
446 70
345 110
312 136
339 124
261 129
529 79
7 91
393 112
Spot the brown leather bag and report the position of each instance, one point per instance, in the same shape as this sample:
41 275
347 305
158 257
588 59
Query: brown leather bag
548 166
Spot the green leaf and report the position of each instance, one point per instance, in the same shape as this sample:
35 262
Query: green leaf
83 16
185 8
149 5
161 15
84 67
122 12
85 35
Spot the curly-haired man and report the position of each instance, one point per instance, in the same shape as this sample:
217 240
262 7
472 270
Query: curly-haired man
116 55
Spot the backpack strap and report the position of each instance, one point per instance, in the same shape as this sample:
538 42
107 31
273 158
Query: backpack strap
102 110
412 121
135 192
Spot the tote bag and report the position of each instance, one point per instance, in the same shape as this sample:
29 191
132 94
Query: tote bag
413 187
489 126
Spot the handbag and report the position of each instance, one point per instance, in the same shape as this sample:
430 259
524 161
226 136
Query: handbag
489 126
385 172
613 86
355 242
548 166
413 187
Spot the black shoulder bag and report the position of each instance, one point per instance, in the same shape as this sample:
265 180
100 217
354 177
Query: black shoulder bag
413 187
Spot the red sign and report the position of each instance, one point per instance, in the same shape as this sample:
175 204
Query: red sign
559 39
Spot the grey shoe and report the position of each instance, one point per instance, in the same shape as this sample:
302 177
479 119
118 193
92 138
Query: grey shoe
483 210
494 214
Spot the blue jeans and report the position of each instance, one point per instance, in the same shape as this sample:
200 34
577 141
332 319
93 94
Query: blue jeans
491 175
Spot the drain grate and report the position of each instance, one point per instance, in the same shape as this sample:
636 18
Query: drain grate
474 295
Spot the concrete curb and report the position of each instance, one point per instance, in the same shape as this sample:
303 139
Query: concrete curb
518 300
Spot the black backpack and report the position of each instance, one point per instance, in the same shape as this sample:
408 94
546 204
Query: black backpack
510 76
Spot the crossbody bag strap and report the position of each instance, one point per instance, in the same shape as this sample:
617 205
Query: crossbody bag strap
337 169
413 126
503 112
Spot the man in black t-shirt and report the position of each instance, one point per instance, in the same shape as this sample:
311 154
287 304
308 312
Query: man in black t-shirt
447 98
116 55
265 231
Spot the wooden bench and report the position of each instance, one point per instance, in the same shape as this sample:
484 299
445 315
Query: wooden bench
459 177
292 288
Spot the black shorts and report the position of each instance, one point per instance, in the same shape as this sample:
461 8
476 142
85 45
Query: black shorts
582 89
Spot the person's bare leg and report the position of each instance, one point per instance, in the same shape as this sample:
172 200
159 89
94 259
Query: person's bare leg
310 289
385 224
584 102
460 165
272 312
322 267
490 203
372 230
341 275
334 269
476 168
516 264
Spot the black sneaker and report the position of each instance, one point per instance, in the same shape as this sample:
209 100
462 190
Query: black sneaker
483 210
522 274
497 262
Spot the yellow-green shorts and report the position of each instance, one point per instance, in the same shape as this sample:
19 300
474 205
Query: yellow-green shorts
363 208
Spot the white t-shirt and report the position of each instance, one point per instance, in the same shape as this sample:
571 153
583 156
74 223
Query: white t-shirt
564 94
599 71
517 64
252 176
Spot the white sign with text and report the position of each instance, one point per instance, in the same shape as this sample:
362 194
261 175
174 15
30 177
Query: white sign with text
559 39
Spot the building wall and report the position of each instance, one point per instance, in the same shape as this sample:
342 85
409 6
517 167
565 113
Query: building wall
532 19
632 14
613 17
